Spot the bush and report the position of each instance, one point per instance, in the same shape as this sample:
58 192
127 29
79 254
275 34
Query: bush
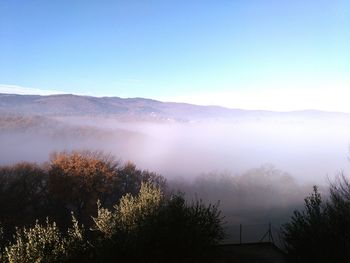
151 228
183 232
45 243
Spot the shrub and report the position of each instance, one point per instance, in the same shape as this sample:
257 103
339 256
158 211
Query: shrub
152 228
45 243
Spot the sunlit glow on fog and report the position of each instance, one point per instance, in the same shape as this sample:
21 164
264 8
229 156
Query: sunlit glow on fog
277 96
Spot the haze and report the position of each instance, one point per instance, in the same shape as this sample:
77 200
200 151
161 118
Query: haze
309 148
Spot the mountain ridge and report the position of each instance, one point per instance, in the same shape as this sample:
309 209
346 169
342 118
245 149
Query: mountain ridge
135 108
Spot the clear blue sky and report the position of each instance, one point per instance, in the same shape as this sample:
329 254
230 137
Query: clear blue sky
231 53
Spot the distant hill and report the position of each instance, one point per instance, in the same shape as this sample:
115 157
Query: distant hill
138 109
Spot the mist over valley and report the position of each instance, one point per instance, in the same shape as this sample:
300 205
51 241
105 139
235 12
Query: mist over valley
176 140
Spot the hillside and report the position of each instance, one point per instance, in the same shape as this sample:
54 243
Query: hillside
141 109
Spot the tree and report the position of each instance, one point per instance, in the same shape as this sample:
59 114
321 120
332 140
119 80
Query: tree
70 181
22 194
184 232
152 228
320 232
147 227
338 220
130 179
77 179
303 235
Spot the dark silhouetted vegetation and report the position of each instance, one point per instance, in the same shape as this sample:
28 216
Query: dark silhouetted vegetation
152 228
87 207
69 182
23 195
117 213
321 231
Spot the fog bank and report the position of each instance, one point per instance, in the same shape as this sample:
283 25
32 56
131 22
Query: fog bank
308 149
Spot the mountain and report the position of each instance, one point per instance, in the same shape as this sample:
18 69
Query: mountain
139 109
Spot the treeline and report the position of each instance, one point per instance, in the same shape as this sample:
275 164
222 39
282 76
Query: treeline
87 207
257 195
68 182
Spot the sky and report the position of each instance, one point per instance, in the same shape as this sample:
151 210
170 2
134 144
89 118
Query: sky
251 54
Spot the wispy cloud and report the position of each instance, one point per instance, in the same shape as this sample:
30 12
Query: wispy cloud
14 89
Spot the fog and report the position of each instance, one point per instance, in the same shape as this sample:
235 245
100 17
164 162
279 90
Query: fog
259 169
311 151
253 199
